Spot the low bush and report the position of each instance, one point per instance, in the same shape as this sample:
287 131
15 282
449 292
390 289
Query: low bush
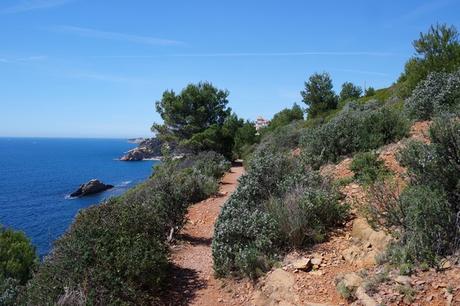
235 238
18 260
356 128
283 204
116 253
17 256
305 211
282 139
368 168
424 223
426 216
437 94
437 164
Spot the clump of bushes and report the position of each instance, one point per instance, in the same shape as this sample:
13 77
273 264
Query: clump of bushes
306 209
438 93
283 204
281 139
114 253
117 252
18 260
426 216
356 128
368 168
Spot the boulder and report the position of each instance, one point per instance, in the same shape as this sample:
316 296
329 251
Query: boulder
91 187
302 264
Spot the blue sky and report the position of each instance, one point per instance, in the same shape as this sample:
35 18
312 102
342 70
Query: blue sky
94 68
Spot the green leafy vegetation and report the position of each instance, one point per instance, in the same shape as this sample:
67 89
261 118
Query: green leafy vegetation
425 215
198 119
284 206
357 128
350 91
437 94
369 92
318 94
368 168
116 252
18 260
438 50
284 117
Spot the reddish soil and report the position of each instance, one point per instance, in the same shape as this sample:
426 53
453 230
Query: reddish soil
194 282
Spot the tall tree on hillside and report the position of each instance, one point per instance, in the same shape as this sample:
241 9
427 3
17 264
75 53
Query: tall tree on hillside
197 108
350 91
435 51
369 92
318 94
198 119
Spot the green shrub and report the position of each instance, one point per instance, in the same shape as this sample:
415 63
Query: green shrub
285 117
356 128
17 256
368 168
307 208
422 218
243 245
282 139
114 252
425 216
283 205
437 164
18 260
437 94
208 163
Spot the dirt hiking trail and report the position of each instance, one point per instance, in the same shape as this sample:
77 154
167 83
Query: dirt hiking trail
194 282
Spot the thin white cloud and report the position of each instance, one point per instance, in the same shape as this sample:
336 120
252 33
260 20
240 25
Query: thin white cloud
30 5
92 33
33 58
259 54
367 72
109 78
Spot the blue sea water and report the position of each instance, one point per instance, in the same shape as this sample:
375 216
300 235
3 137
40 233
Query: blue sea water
38 174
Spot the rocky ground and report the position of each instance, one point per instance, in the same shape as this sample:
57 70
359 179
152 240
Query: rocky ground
341 271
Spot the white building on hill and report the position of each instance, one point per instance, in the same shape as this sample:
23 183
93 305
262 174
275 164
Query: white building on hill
261 122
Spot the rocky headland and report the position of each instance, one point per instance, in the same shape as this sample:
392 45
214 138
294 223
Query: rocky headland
147 149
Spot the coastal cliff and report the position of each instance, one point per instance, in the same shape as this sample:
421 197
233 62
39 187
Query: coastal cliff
147 149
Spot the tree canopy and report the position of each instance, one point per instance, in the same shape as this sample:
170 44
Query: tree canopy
369 92
318 94
350 91
438 50
17 256
193 118
286 116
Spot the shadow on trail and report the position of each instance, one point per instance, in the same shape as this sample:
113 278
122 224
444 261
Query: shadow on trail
183 286
196 240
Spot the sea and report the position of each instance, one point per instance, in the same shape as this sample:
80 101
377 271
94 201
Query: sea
37 175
